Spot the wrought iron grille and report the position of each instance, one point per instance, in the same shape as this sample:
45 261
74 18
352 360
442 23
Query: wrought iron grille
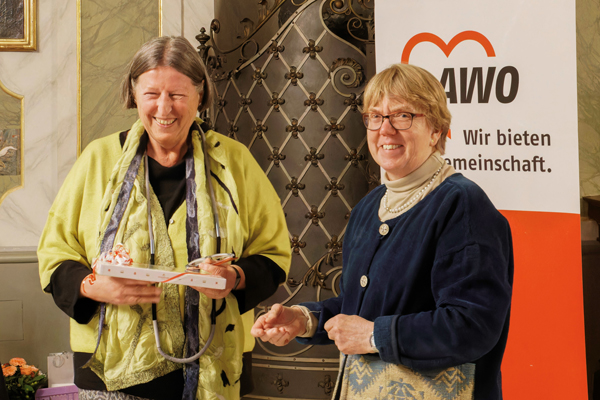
290 89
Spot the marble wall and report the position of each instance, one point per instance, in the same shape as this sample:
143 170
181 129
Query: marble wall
111 32
186 17
48 79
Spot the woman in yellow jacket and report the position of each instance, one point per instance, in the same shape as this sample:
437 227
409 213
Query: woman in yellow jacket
158 189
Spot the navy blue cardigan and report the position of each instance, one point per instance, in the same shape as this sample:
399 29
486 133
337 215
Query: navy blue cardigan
439 283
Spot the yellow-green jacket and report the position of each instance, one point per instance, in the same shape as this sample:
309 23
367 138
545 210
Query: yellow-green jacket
127 353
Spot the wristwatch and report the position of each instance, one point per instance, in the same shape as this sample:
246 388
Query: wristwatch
372 341
237 278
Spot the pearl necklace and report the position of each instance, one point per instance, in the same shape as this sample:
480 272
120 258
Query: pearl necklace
412 200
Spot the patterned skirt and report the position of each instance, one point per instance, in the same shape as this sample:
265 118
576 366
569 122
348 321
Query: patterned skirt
368 377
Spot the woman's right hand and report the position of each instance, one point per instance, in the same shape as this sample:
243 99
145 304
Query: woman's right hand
108 289
279 325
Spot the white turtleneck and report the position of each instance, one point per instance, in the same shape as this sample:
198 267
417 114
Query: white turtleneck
405 190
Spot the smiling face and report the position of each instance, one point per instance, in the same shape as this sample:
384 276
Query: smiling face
167 103
400 152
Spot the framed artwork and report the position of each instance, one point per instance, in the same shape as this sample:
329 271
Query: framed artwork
18 21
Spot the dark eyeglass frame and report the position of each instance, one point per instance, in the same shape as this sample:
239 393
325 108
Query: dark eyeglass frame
366 116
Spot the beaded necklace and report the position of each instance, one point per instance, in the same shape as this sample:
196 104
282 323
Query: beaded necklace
412 200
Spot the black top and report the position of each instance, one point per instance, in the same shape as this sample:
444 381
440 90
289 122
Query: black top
168 184
263 276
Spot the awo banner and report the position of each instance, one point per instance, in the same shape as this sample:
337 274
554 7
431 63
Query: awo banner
509 71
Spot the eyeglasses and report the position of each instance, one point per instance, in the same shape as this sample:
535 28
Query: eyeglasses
399 121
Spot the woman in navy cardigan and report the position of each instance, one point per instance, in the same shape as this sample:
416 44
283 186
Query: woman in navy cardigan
427 277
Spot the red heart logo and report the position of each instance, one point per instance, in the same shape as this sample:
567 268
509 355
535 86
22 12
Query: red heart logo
447 48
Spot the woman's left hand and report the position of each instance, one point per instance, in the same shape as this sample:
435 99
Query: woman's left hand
350 333
224 271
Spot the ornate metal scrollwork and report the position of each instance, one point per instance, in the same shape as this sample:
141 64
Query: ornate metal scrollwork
280 383
314 157
276 101
295 186
294 128
202 37
258 76
297 244
221 102
354 157
334 248
246 30
232 130
247 27
245 102
315 215
215 26
275 49
292 282
327 384
246 54
216 77
313 101
259 129
352 78
264 11
277 52
294 75
314 277
334 127
353 102
212 61
312 49
360 24
334 186
276 157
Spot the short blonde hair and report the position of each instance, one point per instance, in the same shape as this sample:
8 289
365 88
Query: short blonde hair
168 51
417 87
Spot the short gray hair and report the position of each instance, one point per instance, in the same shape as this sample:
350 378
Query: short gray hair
168 51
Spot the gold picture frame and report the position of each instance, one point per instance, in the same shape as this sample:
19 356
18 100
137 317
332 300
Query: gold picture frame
18 25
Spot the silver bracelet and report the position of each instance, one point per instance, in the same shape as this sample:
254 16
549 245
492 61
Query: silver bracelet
372 342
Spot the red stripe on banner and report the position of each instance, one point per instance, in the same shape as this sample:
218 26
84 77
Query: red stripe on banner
545 354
